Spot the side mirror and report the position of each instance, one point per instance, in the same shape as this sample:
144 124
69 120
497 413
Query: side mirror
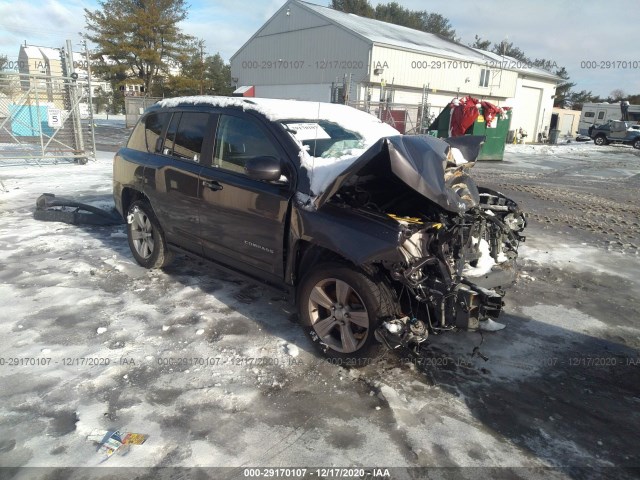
263 168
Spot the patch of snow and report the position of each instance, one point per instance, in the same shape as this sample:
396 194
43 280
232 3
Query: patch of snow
101 330
485 262
491 325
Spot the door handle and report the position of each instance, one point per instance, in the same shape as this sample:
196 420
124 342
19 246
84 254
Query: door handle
212 185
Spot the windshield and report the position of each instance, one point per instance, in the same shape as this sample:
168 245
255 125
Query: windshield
323 138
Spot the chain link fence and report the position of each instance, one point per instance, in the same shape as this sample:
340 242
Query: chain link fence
44 120
409 119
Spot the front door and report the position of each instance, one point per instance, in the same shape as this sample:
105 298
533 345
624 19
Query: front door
243 221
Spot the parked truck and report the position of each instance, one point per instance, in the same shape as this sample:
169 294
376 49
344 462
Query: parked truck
603 113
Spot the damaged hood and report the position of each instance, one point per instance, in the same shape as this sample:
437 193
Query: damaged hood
420 161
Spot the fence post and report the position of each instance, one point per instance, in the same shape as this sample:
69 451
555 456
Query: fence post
93 134
38 120
75 103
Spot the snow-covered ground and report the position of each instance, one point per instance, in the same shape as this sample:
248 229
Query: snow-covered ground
211 369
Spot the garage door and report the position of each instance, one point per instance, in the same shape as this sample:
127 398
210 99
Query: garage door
529 105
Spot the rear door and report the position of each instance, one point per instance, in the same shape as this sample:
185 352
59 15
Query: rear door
243 221
177 140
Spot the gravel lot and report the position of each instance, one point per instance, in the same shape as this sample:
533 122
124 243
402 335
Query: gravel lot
558 397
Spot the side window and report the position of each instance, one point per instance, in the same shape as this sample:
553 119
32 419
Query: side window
484 77
154 126
600 115
170 137
137 140
237 140
589 114
190 135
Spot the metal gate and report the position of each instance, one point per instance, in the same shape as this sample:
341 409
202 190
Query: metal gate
44 119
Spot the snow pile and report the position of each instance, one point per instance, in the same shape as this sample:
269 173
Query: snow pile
585 148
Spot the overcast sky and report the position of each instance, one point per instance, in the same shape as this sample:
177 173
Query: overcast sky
567 31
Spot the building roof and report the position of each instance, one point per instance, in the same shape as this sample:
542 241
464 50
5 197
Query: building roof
45 53
383 33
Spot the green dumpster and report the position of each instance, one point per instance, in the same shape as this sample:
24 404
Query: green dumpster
496 134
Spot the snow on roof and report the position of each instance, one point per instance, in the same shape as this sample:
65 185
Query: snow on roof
277 109
385 33
48 53
32 52
512 63
396 35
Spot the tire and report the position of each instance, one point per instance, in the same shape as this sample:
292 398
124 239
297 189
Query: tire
600 140
330 299
146 239
636 143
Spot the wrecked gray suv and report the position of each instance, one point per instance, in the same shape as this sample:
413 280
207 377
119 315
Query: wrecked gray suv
376 236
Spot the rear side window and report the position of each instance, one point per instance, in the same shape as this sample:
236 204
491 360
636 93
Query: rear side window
155 124
589 114
180 134
136 140
190 135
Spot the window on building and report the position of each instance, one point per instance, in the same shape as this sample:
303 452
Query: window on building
239 139
600 115
484 77
589 114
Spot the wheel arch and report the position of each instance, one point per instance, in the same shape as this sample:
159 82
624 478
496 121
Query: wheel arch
309 255
130 195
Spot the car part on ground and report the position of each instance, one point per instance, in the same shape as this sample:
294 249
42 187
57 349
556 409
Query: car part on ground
50 208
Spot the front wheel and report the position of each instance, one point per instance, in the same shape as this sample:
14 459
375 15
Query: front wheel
340 308
600 140
146 239
636 144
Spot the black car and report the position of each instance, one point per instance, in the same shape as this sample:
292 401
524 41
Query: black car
376 236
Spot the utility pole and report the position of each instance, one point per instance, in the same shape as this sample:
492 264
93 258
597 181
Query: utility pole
201 67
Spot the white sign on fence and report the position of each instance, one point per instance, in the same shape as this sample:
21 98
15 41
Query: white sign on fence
54 117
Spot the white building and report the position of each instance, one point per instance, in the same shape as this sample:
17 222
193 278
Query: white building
309 52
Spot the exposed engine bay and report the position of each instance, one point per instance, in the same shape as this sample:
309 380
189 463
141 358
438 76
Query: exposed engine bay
458 253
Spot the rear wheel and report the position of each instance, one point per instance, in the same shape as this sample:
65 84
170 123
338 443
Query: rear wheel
600 140
146 239
340 308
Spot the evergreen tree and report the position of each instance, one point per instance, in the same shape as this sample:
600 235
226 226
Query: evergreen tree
480 43
358 7
510 50
395 13
136 39
578 99
563 90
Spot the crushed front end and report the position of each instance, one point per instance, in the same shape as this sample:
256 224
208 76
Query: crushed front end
457 243
454 271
